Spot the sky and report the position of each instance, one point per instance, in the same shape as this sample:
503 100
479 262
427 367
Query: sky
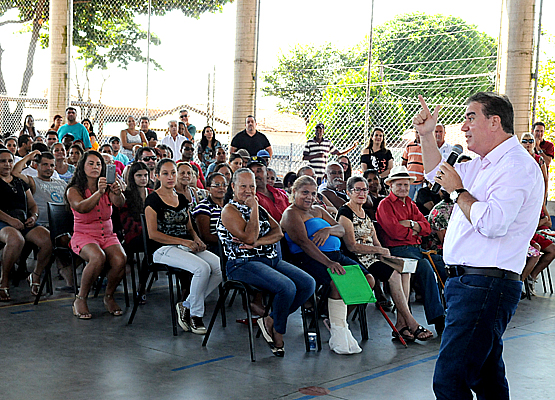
192 48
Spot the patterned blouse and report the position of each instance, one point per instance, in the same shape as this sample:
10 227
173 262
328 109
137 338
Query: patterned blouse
232 250
438 219
364 233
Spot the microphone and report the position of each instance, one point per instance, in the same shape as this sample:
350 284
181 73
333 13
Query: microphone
451 160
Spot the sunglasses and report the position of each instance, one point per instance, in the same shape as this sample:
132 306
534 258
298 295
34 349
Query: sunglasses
527 141
183 116
149 158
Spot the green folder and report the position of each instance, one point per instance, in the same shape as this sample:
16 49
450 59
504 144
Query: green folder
353 286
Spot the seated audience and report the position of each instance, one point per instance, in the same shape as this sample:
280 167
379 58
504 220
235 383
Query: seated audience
236 162
288 181
362 245
220 159
249 236
271 176
403 228
177 245
320 200
92 136
186 184
75 153
439 219
128 138
117 152
528 142
345 163
314 240
273 200
426 199
207 148
108 153
94 240
57 122
11 144
224 169
187 149
18 224
63 168
335 185
51 138
207 212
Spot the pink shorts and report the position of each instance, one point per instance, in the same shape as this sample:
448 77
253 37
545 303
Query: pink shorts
80 240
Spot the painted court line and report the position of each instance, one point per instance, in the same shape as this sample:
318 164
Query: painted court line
405 366
202 363
21 312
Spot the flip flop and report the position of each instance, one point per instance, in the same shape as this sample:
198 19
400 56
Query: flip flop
403 335
420 330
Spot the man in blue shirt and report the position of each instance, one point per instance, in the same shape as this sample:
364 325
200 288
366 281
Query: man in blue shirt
78 131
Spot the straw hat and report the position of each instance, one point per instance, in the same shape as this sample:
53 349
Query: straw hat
399 172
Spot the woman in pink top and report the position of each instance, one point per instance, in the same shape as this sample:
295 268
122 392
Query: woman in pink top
94 240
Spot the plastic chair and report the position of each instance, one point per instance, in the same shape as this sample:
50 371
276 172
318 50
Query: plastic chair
149 266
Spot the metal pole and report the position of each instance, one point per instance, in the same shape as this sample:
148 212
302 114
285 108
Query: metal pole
369 76
213 97
148 55
536 75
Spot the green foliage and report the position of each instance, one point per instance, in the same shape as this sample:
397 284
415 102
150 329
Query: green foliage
442 58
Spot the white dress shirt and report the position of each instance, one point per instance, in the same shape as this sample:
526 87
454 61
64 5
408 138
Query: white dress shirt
175 145
509 187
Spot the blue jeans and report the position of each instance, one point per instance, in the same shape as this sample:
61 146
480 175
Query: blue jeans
291 286
425 277
479 309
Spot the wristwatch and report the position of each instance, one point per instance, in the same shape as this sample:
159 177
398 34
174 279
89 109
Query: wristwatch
36 215
411 224
456 193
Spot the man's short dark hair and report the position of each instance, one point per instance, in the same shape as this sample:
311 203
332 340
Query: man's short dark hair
52 133
143 118
114 139
39 146
250 116
139 153
106 145
184 143
23 139
180 111
48 155
496 104
71 108
538 123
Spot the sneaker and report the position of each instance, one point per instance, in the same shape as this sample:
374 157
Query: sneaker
183 316
531 285
197 326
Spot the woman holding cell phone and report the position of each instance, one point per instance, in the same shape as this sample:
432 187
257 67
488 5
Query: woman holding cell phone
91 198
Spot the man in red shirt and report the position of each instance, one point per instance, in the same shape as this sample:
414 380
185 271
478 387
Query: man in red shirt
543 147
404 226
273 200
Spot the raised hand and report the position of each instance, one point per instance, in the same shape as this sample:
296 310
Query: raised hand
425 122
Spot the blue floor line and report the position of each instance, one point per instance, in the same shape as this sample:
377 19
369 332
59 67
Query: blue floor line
201 363
21 312
405 366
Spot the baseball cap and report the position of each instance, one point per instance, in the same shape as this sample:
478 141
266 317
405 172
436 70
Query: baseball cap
263 153
257 161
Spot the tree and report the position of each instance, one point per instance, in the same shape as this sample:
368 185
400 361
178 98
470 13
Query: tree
443 58
104 33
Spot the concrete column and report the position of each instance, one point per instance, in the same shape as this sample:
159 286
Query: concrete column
61 15
516 50
244 79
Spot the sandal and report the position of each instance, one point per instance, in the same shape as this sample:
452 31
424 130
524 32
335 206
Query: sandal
421 330
79 315
116 312
403 334
5 294
34 286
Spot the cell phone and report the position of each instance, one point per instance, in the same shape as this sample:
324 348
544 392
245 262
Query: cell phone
110 174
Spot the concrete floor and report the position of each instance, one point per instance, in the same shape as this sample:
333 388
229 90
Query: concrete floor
49 354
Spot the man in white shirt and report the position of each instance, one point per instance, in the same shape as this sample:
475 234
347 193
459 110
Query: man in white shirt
173 140
444 148
498 198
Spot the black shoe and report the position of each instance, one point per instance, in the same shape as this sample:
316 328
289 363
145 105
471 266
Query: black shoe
439 323
197 326
183 316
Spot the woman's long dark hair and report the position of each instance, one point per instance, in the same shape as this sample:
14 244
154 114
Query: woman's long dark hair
90 124
79 179
204 141
371 141
26 130
135 203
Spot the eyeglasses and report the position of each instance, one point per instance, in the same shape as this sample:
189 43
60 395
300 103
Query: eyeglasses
218 185
188 148
358 190
527 141
343 164
183 116
149 158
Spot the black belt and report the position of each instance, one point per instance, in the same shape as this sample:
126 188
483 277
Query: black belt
460 270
